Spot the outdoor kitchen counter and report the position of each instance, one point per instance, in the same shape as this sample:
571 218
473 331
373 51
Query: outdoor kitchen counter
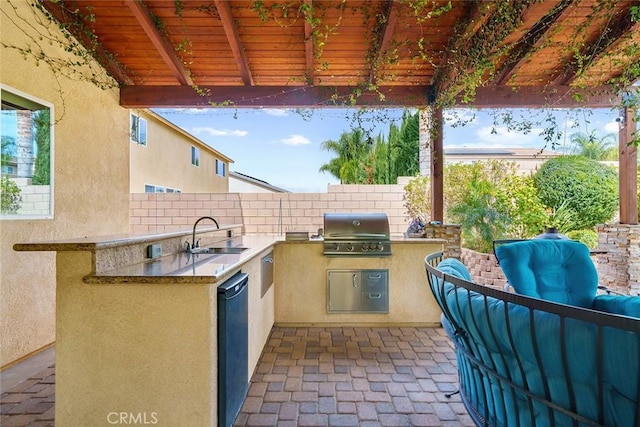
140 335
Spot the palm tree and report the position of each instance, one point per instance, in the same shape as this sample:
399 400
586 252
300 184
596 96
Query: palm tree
352 151
594 147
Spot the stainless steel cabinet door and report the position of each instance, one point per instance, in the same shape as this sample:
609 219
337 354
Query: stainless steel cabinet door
343 290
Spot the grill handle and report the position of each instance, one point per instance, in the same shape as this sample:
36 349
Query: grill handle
359 236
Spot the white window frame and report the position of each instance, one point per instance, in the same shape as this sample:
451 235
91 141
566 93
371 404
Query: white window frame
220 163
160 189
52 116
135 131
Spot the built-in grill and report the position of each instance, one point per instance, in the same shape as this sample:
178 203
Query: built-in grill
356 234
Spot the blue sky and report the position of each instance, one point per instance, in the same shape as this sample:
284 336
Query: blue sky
282 147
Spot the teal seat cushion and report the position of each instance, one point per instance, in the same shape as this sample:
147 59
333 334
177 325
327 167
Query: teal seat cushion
555 270
625 305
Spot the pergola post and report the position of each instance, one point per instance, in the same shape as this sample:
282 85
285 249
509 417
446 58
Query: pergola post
437 161
628 169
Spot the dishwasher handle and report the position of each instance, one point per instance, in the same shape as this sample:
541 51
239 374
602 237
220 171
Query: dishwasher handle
234 286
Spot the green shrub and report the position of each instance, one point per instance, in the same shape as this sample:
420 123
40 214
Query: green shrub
518 199
417 198
589 189
10 198
588 237
480 220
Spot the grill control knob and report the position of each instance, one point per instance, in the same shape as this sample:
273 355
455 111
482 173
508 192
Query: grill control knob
336 247
380 247
350 248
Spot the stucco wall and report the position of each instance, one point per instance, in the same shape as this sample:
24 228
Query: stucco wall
166 161
91 185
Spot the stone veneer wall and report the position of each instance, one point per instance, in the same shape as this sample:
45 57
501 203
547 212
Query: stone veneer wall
483 268
619 266
277 213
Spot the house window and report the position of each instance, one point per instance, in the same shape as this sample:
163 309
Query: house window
148 188
138 129
220 167
195 156
27 156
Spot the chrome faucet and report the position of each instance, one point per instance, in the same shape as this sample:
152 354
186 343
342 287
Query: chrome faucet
194 246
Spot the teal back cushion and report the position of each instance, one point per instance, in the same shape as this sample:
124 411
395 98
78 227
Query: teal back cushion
454 267
555 270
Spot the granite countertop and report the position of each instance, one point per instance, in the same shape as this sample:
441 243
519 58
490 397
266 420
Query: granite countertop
180 267
103 242
188 268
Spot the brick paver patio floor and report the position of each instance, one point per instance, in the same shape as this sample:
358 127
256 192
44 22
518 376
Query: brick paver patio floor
345 376
355 377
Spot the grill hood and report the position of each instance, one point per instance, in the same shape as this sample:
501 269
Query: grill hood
356 226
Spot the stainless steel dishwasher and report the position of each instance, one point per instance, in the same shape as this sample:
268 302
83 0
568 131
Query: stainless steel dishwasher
233 350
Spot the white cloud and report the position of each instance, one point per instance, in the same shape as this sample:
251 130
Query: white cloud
296 140
220 132
500 136
276 112
612 127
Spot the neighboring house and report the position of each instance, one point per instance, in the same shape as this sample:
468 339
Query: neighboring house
166 159
241 183
527 160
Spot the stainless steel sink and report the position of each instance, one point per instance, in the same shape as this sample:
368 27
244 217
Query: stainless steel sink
231 250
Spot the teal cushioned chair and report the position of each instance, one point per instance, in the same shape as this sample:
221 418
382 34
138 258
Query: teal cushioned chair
559 271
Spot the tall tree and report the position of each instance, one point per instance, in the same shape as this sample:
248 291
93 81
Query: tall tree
42 169
352 150
407 160
594 146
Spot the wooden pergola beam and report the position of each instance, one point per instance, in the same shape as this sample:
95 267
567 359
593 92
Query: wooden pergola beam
478 13
330 96
386 26
271 96
75 26
533 40
166 51
229 26
628 169
590 52
308 46
437 165
543 97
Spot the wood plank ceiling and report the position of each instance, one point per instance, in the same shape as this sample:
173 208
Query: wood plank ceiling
311 53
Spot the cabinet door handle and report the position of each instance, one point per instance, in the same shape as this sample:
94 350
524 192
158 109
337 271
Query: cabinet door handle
355 280
268 260
375 276
375 296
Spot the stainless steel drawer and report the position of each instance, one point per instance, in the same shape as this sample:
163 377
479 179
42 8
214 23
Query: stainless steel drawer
374 302
357 291
375 280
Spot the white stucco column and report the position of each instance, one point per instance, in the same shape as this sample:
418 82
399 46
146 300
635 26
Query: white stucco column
424 140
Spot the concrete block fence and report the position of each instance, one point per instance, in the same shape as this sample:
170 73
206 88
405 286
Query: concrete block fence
277 213
265 213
